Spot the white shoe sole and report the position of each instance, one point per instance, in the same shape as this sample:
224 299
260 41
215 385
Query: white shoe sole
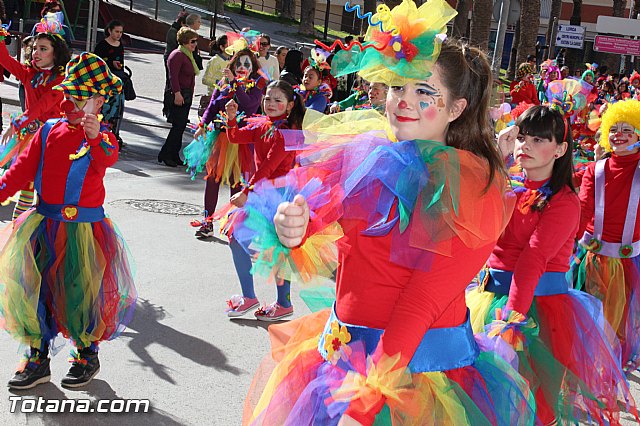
79 385
40 381
272 319
236 314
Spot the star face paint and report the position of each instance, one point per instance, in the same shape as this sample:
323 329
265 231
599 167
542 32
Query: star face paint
244 66
418 110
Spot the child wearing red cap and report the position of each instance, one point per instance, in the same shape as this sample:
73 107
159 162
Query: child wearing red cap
65 268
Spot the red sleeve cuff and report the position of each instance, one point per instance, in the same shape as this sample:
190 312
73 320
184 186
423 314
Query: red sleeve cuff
96 141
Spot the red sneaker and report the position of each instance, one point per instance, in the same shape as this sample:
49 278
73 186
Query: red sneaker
273 312
240 305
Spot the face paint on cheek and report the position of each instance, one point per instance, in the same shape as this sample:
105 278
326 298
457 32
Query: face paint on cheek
429 113
440 103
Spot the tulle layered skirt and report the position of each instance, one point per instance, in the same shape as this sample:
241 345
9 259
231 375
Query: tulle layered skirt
616 282
571 358
298 385
72 278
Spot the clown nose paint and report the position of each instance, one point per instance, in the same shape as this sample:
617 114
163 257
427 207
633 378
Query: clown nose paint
67 106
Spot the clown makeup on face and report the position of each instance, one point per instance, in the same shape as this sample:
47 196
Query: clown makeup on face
621 136
275 103
311 78
422 110
244 67
42 54
378 93
74 109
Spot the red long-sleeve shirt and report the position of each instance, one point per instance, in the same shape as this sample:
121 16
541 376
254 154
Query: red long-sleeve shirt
62 141
618 172
271 158
525 92
535 243
42 103
406 303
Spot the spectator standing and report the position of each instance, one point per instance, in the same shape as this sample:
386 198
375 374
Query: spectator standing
218 62
292 71
268 62
194 21
111 50
281 54
177 102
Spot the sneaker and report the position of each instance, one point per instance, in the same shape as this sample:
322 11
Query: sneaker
84 367
273 312
205 231
36 371
240 305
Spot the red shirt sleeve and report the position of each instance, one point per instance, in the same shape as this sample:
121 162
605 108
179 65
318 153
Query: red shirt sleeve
12 65
557 224
275 156
23 171
242 136
103 157
587 198
46 102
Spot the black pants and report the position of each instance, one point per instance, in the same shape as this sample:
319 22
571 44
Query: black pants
178 116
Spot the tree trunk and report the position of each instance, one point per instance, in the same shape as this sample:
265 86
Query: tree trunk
288 8
574 56
556 8
529 19
307 16
513 60
612 60
460 23
481 23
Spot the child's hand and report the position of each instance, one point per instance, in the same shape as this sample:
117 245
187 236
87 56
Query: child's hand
507 140
232 110
228 74
91 126
291 221
239 199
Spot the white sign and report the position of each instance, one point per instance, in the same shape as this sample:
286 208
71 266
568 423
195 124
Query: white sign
571 36
620 26
577 29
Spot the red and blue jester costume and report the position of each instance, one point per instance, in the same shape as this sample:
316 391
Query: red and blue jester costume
65 269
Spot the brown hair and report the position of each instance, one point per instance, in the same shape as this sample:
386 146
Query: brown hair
254 62
185 34
466 73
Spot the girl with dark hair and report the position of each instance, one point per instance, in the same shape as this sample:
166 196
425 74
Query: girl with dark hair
218 62
397 347
566 352
228 164
292 71
49 55
284 110
111 50
315 94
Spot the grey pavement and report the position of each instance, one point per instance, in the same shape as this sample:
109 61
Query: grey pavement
180 351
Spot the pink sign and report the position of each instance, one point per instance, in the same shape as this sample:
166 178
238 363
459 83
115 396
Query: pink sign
621 46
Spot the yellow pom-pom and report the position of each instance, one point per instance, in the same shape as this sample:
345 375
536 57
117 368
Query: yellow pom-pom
397 46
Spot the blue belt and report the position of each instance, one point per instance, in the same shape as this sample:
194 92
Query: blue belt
441 349
70 213
550 283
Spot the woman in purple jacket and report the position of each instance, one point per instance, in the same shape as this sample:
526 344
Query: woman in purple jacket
244 83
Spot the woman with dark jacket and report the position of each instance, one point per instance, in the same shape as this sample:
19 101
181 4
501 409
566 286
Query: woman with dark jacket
177 101
292 71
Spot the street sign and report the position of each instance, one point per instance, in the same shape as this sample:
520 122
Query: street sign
619 45
571 36
621 26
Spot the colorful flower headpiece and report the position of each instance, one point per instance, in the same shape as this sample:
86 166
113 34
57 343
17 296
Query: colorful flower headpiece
51 24
627 111
318 59
634 76
568 96
401 45
242 40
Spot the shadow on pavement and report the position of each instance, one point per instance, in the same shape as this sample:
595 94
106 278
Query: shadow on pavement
149 330
254 323
96 390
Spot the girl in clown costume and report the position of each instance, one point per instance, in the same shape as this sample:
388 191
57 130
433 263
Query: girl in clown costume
65 268
411 225
607 262
568 354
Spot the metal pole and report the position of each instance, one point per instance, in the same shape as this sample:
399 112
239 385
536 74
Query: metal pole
94 26
89 21
552 42
502 28
155 13
21 25
130 4
326 19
